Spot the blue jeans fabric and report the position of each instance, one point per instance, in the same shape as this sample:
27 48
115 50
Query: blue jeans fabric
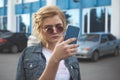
32 63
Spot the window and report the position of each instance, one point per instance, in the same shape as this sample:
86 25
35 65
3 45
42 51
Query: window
18 1
104 38
109 18
0 22
85 15
3 22
97 19
72 16
111 37
23 23
25 1
1 3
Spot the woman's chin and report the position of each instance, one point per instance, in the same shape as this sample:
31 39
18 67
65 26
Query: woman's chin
55 40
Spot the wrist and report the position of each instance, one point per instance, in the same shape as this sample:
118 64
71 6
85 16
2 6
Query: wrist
54 59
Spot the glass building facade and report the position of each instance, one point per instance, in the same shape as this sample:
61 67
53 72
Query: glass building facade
96 15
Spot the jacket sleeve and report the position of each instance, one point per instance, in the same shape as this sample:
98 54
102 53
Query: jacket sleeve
20 74
79 78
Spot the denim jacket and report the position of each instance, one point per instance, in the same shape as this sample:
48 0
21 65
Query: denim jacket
32 63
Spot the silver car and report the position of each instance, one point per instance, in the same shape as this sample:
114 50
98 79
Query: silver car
94 45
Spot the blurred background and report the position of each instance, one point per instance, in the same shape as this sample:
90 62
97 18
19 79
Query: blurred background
89 15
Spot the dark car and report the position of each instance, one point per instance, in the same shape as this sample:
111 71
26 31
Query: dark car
12 42
94 45
3 31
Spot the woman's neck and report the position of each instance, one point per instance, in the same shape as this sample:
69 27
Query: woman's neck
51 46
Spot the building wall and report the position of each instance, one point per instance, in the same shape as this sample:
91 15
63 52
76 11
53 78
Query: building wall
115 21
95 3
65 5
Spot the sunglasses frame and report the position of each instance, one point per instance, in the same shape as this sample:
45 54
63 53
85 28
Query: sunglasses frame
49 29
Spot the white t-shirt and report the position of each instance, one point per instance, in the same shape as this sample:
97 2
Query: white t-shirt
62 73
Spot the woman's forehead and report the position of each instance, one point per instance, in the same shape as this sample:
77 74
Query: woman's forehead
52 20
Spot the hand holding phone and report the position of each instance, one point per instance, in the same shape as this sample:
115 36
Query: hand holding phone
72 32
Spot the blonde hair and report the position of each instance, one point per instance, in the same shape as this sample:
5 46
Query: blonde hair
40 15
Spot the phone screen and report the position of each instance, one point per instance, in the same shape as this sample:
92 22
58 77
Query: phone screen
72 32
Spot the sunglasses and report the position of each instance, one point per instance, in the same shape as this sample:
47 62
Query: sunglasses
49 29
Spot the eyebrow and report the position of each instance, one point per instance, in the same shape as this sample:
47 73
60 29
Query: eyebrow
52 25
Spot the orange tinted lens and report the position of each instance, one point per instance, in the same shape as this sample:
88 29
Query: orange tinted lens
59 29
50 29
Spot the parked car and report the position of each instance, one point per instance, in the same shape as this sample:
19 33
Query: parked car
13 42
32 40
94 45
3 31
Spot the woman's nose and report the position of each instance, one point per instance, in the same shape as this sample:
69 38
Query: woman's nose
54 30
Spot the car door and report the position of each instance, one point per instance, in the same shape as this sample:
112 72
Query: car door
112 42
104 45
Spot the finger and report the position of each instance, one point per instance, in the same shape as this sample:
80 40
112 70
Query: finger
72 46
70 40
61 39
72 51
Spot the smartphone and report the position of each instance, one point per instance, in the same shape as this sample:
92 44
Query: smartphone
72 32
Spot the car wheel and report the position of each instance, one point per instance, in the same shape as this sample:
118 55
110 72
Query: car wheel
95 56
116 53
5 50
14 49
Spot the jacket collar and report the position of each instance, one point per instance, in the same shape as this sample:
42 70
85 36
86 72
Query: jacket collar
37 48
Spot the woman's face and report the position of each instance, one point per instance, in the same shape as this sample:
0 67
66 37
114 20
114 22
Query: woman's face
52 29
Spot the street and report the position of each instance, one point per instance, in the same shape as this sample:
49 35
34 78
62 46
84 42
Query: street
107 68
8 65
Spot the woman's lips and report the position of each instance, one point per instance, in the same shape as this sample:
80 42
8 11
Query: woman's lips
55 37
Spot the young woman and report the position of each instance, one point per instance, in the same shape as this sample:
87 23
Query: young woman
52 58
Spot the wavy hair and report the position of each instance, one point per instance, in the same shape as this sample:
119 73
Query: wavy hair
40 15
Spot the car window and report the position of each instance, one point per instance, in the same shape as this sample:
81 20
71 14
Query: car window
89 37
7 34
82 38
1 33
111 37
104 38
